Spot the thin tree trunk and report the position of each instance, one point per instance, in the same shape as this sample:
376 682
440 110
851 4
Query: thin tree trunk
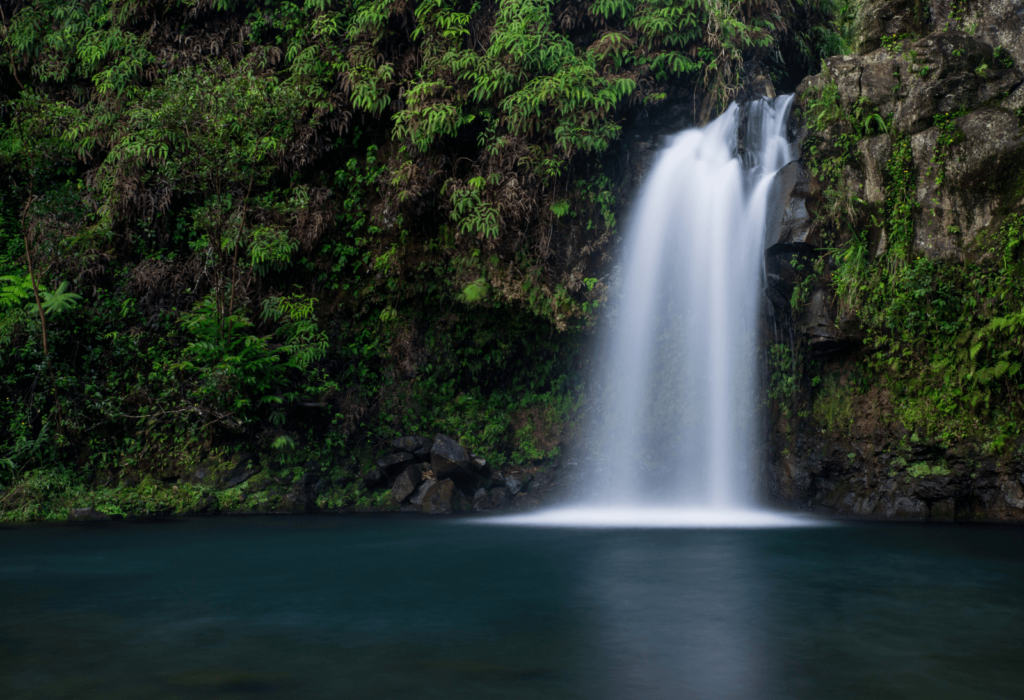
31 273
234 262
39 307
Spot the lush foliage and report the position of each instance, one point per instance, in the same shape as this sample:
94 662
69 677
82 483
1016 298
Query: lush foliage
309 226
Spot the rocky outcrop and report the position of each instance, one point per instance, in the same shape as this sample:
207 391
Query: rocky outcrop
956 100
998 23
964 179
439 476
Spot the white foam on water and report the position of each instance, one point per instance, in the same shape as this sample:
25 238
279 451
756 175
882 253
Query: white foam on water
644 517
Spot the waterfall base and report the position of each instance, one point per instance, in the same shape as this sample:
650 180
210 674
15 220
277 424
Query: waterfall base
646 517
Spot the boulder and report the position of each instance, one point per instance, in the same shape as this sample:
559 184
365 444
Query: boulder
513 485
481 500
394 462
421 492
417 445
234 477
438 498
406 482
497 497
86 514
449 460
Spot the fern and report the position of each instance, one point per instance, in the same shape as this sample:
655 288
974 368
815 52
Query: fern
15 291
60 300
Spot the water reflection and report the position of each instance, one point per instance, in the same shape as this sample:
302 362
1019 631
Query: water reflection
678 621
389 608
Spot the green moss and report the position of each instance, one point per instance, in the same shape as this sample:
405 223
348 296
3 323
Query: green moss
833 405
923 470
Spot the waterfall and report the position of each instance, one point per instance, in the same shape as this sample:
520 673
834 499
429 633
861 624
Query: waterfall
673 433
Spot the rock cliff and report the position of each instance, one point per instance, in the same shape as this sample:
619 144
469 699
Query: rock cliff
894 272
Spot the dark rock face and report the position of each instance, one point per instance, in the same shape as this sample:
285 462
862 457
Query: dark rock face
868 473
789 222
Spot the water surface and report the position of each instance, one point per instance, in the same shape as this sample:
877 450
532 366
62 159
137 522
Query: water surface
353 607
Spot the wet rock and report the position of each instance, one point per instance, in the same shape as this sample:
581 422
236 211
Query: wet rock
788 225
212 473
421 492
513 485
416 445
903 507
394 462
234 477
406 482
1013 494
438 498
875 152
498 497
481 501
203 470
449 460
86 514
816 321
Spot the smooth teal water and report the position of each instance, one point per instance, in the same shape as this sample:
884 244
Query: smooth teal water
354 607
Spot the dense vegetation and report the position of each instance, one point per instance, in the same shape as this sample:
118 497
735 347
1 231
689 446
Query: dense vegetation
302 228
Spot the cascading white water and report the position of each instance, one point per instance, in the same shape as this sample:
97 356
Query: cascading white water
673 440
